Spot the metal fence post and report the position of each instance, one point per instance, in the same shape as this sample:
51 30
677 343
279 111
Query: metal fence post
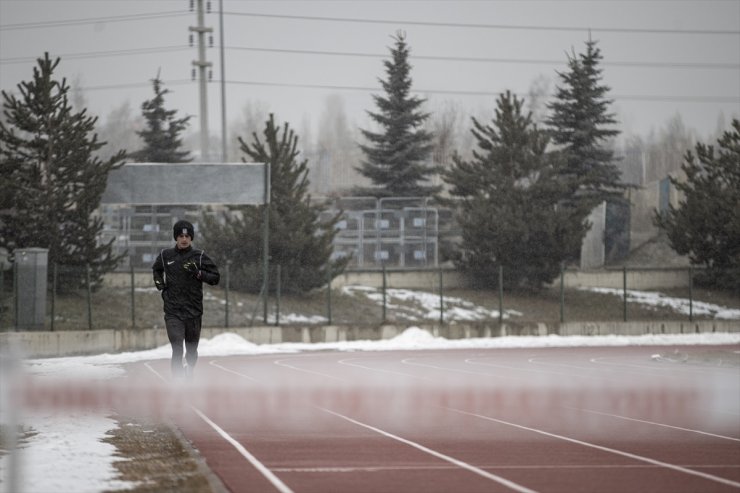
624 293
266 256
53 293
226 293
133 298
691 293
441 300
328 293
384 286
277 297
562 293
500 295
89 296
15 295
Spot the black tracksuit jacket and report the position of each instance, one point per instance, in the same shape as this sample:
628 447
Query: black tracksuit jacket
183 293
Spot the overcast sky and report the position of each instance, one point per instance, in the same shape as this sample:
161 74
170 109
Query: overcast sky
660 57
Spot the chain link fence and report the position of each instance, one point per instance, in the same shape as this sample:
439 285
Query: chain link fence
129 300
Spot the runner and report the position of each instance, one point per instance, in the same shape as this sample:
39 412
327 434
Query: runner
179 273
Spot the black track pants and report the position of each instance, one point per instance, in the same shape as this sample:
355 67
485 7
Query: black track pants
179 331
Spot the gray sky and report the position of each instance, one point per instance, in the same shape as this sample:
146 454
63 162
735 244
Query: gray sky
660 57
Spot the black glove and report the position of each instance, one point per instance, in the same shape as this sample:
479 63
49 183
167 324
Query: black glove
160 285
192 269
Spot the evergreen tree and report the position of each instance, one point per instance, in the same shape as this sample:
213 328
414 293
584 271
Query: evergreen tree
299 242
397 157
506 200
706 224
52 179
581 125
162 142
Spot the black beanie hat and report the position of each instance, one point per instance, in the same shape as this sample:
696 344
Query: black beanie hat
183 227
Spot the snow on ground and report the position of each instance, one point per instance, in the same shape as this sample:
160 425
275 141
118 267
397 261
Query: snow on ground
420 305
65 452
681 305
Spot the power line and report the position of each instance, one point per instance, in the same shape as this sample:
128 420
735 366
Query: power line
702 65
630 30
696 99
630 97
99 54
134 85
164 49
177 13
91 20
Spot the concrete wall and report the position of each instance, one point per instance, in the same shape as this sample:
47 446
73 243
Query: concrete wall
642 279
68 343
643 202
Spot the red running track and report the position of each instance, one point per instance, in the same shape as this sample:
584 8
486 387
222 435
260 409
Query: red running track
482 420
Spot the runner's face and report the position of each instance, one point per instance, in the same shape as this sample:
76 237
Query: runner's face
183 241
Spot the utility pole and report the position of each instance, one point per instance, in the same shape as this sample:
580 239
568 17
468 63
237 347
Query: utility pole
223 79
201 64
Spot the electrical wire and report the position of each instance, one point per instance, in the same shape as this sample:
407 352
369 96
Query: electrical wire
490 26
630 97
92 20
99 54
165 49
177 13
159 15
412 56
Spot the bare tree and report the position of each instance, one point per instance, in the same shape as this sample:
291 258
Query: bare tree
77 94
446 123
119 130
336 152
254 116
665 152
537 96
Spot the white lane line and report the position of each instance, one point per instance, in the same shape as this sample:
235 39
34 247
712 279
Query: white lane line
602 361
655 371
641 458
279 362
464 465
220 367
667 370
532 360
156 373
471 361
535 467
626 418
409 361
276 482
535 361
381 370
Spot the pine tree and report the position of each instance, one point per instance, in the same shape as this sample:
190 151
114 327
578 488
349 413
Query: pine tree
581 125
299 242
52 179
162 142
506 201
706 224
397 157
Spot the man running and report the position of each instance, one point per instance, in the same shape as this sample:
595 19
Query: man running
179 273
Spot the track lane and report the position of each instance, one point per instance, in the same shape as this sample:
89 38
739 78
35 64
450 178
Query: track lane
320 454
